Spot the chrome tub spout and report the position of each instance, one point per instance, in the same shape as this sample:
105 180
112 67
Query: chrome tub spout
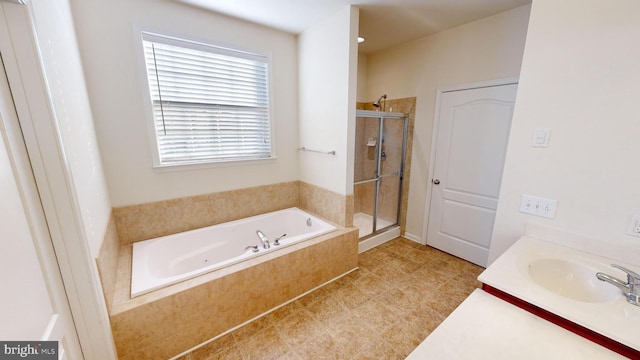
263 239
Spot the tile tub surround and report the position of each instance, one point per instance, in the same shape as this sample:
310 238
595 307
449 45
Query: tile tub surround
169 321
400 293
151 220
107 261
329 205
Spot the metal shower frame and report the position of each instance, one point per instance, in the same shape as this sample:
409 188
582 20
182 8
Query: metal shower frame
381 115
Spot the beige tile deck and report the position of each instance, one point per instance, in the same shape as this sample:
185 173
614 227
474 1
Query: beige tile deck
401 292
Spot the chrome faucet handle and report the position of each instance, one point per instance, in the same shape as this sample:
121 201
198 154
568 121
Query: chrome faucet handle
630 289
276 242
253 248
633 278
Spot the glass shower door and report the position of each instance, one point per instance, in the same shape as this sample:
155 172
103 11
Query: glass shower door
365 173
379 162
390 173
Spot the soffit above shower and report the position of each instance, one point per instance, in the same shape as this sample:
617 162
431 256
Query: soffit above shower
383 23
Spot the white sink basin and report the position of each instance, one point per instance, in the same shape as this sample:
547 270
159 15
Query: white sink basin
562 280
573 280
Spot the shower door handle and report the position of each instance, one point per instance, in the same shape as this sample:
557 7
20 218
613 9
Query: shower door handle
435 181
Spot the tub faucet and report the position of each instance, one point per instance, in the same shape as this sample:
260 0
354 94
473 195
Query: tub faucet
263 239
631 288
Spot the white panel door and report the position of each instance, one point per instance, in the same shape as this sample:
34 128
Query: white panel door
471 142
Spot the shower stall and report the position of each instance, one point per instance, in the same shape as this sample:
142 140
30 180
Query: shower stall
380 147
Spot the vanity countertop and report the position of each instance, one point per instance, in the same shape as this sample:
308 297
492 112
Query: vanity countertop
614 318
485 327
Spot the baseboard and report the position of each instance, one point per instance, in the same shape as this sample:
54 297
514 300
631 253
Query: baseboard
414 238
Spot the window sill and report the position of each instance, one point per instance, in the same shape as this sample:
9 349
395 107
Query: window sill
211 165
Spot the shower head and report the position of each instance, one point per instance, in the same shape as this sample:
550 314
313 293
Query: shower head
381 98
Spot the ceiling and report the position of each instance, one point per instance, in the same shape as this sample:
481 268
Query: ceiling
383 23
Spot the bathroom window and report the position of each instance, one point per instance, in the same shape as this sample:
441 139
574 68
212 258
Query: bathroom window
209 103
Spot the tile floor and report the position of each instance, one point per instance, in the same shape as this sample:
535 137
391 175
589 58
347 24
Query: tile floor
401 292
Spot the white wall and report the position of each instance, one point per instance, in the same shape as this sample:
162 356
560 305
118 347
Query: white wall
70 104
486 49
362 93
581 78
107 42
328 75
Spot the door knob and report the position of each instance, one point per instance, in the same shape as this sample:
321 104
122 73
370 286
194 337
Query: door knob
435 181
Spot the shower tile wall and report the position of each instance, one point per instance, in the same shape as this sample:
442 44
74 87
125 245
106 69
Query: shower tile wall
363 194
406 106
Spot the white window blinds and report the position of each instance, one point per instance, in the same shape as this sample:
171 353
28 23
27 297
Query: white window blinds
209 103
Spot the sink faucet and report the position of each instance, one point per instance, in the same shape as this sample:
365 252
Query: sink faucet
631 288
263 239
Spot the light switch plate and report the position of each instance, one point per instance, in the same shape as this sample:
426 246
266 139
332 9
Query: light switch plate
634 226
541 137
538 206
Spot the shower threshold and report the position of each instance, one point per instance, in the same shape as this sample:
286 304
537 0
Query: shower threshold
386 231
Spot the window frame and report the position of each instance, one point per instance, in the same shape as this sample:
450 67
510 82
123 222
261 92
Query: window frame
180 40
